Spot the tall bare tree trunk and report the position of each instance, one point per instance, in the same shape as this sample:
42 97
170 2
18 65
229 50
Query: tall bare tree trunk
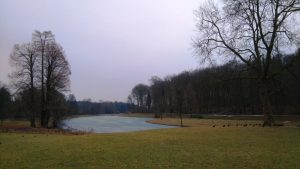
180 114
32 110
32 113
47 100
264 93
43 112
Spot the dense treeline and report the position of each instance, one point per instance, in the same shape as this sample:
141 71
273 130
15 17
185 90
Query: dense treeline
18 106
86 107
62 107
226 89
5 101
140 98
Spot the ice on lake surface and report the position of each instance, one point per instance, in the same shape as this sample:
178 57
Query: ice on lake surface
111 124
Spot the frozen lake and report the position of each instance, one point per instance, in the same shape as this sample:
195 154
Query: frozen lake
111 124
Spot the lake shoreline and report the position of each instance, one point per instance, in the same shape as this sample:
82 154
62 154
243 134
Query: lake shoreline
111 124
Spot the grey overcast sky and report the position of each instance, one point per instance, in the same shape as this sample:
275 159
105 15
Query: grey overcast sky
111 45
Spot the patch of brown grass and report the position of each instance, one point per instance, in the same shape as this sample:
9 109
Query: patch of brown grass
137 114
191 122
23 126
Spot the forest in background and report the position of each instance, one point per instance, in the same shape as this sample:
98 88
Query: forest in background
16 107
224 90
227 89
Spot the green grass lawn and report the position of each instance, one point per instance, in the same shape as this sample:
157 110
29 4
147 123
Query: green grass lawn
190 147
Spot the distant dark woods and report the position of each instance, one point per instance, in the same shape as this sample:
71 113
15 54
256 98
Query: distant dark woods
64 106
93 108
226 89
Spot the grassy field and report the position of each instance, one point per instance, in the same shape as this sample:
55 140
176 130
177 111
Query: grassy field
219 120
192 122
188 147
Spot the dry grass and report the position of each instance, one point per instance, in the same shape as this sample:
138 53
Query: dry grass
190 122
14 124
137 114
23 126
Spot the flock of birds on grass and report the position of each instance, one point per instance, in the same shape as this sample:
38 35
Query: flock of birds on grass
241 125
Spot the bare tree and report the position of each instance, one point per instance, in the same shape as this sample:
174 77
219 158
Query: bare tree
158 96
148 101
41 66
73 104
5 102
41 40
251 31
23 58
130 99
189 100
139 93
57 71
